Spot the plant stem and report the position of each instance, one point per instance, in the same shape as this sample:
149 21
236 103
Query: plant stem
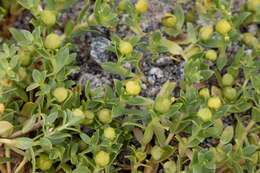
172 134
8 164
2 168
20 132
21 165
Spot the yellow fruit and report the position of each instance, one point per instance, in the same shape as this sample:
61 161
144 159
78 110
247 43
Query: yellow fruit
214 102
141 6
52 41
204 93
206 33
125 47
109 133
102 158
133 88
223 27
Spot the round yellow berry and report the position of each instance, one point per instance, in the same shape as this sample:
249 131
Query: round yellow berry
223 27
169 20
206 33
211 55
102 158
125 47
109 133
105 116
132 88
141 6
52 41
48 17
214 102
204 93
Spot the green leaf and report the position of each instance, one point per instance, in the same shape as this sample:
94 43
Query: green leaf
22 143
173 48
191 33
178 12
148 134
69 27
45 144
256 114
139 100
205 75
36 75
32 86
221 62
227 135
17 35
29 124
166 89
114 68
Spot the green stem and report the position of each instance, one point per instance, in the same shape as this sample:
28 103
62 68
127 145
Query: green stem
172 134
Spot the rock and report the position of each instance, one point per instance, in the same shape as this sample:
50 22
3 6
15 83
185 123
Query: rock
96 81
164 60
154 75
98 49
252 28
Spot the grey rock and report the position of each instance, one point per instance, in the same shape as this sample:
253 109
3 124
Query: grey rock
96 81
155 74
252 28
98 51
164 60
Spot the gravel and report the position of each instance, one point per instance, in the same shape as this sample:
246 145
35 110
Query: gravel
98 49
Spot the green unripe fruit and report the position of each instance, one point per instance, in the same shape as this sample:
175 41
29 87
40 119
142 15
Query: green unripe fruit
44 162
6 129
78 113
141 6
22 74
169 167
228 80
133 88
204 93
125 47
206 33
121 5
230 93
105 116
169 20
162 105
211 55
223 27
157 152
102 158
214 102
140 155
25 58
249 39
205 114
253 5
89 117
109 133
52 41
48 17
60 94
